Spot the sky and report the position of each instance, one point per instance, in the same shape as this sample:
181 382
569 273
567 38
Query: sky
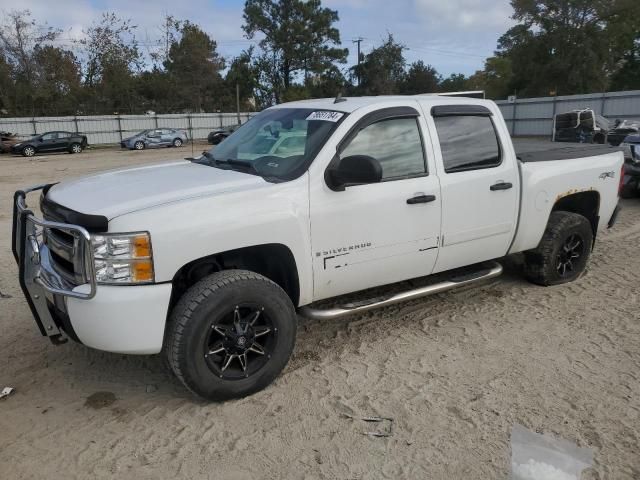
455 36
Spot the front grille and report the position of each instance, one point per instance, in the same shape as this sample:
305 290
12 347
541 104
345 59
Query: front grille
66 255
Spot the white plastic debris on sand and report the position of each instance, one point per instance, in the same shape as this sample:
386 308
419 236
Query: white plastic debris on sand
533 470
542 457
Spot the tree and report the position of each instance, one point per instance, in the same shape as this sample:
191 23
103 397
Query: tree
456 82
568 46
420 78
242 72
628 75
112 57
194 67
57 81
299 37
19 37
495 79
382 70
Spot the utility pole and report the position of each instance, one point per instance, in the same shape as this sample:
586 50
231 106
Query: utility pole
358 41
238 101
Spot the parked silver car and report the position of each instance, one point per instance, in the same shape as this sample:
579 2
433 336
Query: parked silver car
157 137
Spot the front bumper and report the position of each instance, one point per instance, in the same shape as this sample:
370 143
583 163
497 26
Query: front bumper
122 319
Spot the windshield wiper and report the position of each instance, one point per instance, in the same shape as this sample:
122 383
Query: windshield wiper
232 162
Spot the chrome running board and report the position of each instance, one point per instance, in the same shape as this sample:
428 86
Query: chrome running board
491 270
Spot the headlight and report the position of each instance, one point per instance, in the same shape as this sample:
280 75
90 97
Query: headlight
123 258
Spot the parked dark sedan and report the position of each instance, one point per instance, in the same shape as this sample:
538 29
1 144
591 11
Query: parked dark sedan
51 142
219 134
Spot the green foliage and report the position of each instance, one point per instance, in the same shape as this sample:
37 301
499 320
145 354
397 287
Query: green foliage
565 46
299 38
194 66
382 70
456 82
112 57
420 78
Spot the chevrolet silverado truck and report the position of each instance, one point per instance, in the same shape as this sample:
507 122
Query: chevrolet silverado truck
209 260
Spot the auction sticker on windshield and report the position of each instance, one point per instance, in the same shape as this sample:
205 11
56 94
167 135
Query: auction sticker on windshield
326 116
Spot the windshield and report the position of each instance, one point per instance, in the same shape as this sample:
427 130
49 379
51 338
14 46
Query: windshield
279 143
143 132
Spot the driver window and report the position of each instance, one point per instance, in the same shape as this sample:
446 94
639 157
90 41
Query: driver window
50 136
395 143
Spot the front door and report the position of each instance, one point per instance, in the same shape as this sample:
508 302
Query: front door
377 233
480 186
48 142
154 138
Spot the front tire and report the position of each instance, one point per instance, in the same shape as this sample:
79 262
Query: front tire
230 335
28 151
562 254
139 145
177 142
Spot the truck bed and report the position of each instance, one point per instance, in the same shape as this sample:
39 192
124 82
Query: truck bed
531 150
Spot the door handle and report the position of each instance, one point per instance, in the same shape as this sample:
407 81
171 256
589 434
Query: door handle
500 186
421 199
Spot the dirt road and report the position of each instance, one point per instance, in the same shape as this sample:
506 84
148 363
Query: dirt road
454 371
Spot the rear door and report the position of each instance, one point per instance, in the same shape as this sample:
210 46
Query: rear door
167 136
62 142
479 182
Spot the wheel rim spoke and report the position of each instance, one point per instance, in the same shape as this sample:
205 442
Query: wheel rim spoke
261 331
221 330
256 348
227 361
215 350
243 361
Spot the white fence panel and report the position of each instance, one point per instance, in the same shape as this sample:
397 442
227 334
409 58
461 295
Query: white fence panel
110 129
534 116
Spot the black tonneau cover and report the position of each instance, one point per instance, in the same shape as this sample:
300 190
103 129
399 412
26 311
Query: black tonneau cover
544 151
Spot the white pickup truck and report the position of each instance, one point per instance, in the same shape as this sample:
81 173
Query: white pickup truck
208 260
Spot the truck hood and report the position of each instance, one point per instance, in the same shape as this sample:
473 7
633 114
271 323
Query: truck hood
118 192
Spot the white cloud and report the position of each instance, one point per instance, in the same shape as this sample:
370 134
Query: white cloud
452 35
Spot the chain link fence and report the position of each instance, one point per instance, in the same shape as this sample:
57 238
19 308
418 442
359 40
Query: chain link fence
111 129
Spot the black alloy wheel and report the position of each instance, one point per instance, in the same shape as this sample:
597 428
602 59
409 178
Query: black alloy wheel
240 343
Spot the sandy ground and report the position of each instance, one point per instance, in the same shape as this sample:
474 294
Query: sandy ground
454 371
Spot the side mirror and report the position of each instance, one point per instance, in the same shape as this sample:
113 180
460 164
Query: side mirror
353 170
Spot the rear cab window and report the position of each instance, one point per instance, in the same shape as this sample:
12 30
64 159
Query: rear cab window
468 138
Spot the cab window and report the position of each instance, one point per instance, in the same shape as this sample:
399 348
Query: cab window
468 142
396 144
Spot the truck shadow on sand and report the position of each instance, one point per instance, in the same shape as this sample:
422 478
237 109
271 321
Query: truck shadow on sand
318 341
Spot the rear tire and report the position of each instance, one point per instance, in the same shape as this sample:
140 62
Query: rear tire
562 254
230 335
75 148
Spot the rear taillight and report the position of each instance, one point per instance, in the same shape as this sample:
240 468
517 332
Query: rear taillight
621 184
